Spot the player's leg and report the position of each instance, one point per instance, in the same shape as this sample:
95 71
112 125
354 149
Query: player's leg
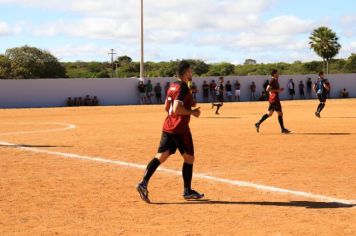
264 117
281 122
166 147
321 105
220 104
186 148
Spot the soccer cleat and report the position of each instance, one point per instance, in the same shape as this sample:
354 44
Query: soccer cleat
317 114
285 131
257 125
142 190
217 113
192 195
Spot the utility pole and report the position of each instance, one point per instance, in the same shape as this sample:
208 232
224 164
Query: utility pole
112 53
142 69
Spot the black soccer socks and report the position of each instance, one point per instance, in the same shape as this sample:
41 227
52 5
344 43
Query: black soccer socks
321 107
264 117
281 123
187 173
151 168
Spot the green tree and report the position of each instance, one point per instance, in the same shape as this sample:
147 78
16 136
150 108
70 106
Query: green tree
5 67
221 69
123 60
200 67
324 42
350 65
30 62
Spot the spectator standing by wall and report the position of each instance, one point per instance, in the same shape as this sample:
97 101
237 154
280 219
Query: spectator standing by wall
344 93
69 102
149 91
142 91
291 88
237 90
301 89
194 90
228 88
95 101
253 91
158 93
206 89
212 90
309 87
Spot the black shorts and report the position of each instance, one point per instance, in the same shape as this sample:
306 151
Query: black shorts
276 106
170 142
220 98
322 97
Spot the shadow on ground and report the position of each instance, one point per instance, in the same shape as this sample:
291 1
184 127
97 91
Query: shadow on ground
323 134
305 204
221 117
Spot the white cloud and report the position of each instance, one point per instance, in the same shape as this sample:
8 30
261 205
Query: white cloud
348 24
6 29
79 50
223 26
283 32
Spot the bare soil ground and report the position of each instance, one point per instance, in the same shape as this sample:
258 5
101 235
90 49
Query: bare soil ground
44 194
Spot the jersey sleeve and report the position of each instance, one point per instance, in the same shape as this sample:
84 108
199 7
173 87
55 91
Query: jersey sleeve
272 83
182 93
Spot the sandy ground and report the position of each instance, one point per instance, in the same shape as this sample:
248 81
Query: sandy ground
43 194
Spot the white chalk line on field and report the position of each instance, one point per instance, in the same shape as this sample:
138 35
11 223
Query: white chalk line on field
174 172
68 126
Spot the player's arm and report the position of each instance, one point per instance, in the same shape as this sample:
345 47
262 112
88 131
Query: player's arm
179 109
327 86
270 89
167 104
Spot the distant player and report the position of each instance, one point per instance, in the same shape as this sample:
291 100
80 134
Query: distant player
176 133
274 103
321 87
219 93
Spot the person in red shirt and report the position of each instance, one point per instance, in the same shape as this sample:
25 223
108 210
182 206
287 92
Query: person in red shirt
274 103
176 133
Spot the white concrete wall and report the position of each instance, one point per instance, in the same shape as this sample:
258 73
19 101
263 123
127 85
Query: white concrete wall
53 92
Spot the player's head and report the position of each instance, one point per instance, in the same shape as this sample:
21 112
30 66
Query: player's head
221 79
321 74
274 73
184 71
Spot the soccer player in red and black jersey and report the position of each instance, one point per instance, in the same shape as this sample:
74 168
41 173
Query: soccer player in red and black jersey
274 103
176 133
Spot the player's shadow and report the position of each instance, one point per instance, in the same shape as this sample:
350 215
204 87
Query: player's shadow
342 117
221 117
305 204
32 146
323 134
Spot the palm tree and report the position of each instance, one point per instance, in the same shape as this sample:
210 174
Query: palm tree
325 43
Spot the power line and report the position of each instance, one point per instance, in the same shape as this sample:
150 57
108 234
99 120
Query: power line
112 53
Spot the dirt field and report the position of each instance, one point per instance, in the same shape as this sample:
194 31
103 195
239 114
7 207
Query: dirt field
55 193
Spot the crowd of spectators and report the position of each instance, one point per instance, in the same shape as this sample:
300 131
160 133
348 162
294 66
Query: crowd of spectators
232 91
147 92
82 101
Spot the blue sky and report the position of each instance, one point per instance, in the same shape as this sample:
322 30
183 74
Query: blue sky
212 30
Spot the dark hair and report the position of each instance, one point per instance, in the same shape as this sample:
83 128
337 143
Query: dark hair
182 68
274 72
321 73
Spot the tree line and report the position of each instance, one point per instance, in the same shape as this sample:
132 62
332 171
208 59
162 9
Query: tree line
29 62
